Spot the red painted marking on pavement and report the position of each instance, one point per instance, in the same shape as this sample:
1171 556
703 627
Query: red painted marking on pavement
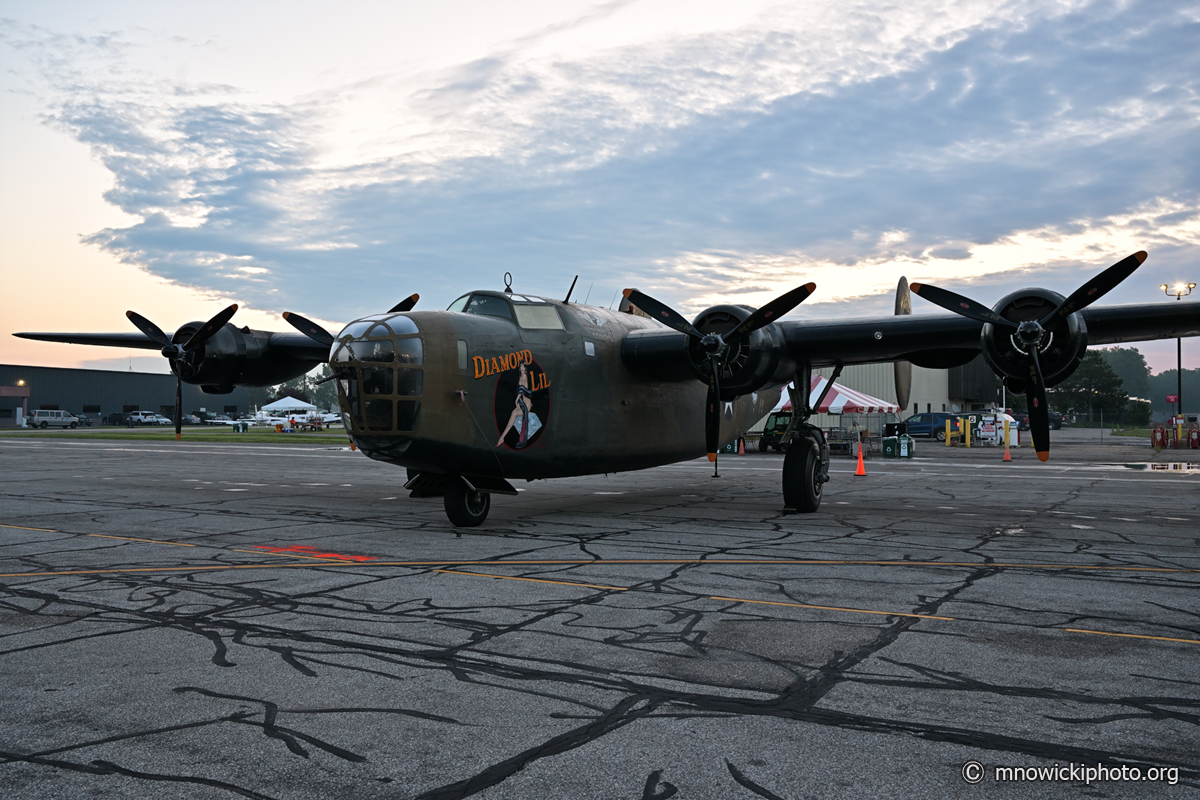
303 549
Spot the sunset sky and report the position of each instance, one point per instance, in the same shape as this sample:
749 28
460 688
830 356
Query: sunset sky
332 159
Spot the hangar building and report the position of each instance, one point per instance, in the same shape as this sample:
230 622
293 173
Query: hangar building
96 393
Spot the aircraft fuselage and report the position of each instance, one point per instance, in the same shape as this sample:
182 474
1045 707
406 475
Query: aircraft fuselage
563 399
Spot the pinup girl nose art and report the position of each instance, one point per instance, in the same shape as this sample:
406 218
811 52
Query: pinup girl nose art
522 404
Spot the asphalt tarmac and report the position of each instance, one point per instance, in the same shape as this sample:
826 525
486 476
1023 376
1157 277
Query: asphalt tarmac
199 620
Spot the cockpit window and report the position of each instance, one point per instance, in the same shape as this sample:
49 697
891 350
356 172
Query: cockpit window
543 317
460 303
488 306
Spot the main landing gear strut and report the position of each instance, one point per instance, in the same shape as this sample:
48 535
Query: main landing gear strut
806 465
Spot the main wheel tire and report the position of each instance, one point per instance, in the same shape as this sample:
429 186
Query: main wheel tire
465 508
762 445
941 436
802 482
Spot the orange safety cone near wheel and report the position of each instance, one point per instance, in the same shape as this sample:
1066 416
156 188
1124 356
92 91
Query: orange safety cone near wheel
1007 455
862 470
741 446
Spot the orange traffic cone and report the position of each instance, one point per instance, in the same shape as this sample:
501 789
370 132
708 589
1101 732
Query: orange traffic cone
862 470
741 446
1007 456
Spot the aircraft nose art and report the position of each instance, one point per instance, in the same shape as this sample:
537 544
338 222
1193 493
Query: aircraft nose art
380 364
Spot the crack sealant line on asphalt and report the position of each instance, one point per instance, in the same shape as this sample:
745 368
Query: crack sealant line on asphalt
839 609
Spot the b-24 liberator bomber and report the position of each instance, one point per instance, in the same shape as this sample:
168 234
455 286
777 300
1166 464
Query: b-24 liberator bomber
504 386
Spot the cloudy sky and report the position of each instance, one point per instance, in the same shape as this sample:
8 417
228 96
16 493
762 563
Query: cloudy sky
332 159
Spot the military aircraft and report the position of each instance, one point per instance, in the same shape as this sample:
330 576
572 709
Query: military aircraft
505 386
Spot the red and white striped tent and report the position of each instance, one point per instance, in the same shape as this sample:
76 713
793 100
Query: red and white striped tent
841 400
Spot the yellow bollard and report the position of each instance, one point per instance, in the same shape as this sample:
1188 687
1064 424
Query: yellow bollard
949 438
966 429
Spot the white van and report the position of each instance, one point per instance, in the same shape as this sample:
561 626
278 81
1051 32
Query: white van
44 418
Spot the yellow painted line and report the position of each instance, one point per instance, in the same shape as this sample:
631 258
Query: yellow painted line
23 528
832 608
149 569
809 562
131 539
531 580
1133 636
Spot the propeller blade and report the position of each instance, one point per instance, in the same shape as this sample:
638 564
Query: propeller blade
405 305
1097 287
178 407
712 414
960 305
771 311
311 329
1039 412
209 328
149 328
664 314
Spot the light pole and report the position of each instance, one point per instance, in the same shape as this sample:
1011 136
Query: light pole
1179 291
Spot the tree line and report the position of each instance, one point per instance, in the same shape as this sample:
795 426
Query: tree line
1106 381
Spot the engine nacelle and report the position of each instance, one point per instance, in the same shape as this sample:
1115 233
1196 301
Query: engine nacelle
1061 349
751 363
235 357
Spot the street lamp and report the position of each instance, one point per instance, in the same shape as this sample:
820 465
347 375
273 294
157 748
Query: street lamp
1179 291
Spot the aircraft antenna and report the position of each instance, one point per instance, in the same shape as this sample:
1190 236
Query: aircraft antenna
589 294
508 283
610 302
567 299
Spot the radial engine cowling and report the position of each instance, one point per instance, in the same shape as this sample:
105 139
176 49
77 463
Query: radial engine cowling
750 363
1061 349
233 357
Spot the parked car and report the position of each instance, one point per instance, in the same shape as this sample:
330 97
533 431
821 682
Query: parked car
46 418
1056 420
84 420
931 424
209 418
146 418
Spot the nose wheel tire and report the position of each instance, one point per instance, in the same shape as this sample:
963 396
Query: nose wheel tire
465 508
802 481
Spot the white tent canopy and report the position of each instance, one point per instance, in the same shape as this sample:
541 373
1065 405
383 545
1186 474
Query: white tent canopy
841 400
289 405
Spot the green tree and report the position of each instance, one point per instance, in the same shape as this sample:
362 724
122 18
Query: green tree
1131 367
1092 388
1167 382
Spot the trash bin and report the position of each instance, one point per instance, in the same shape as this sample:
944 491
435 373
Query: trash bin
240 427
891 447
906 445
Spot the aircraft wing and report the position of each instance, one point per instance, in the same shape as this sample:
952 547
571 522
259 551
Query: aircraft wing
946 340
138 340
293 345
